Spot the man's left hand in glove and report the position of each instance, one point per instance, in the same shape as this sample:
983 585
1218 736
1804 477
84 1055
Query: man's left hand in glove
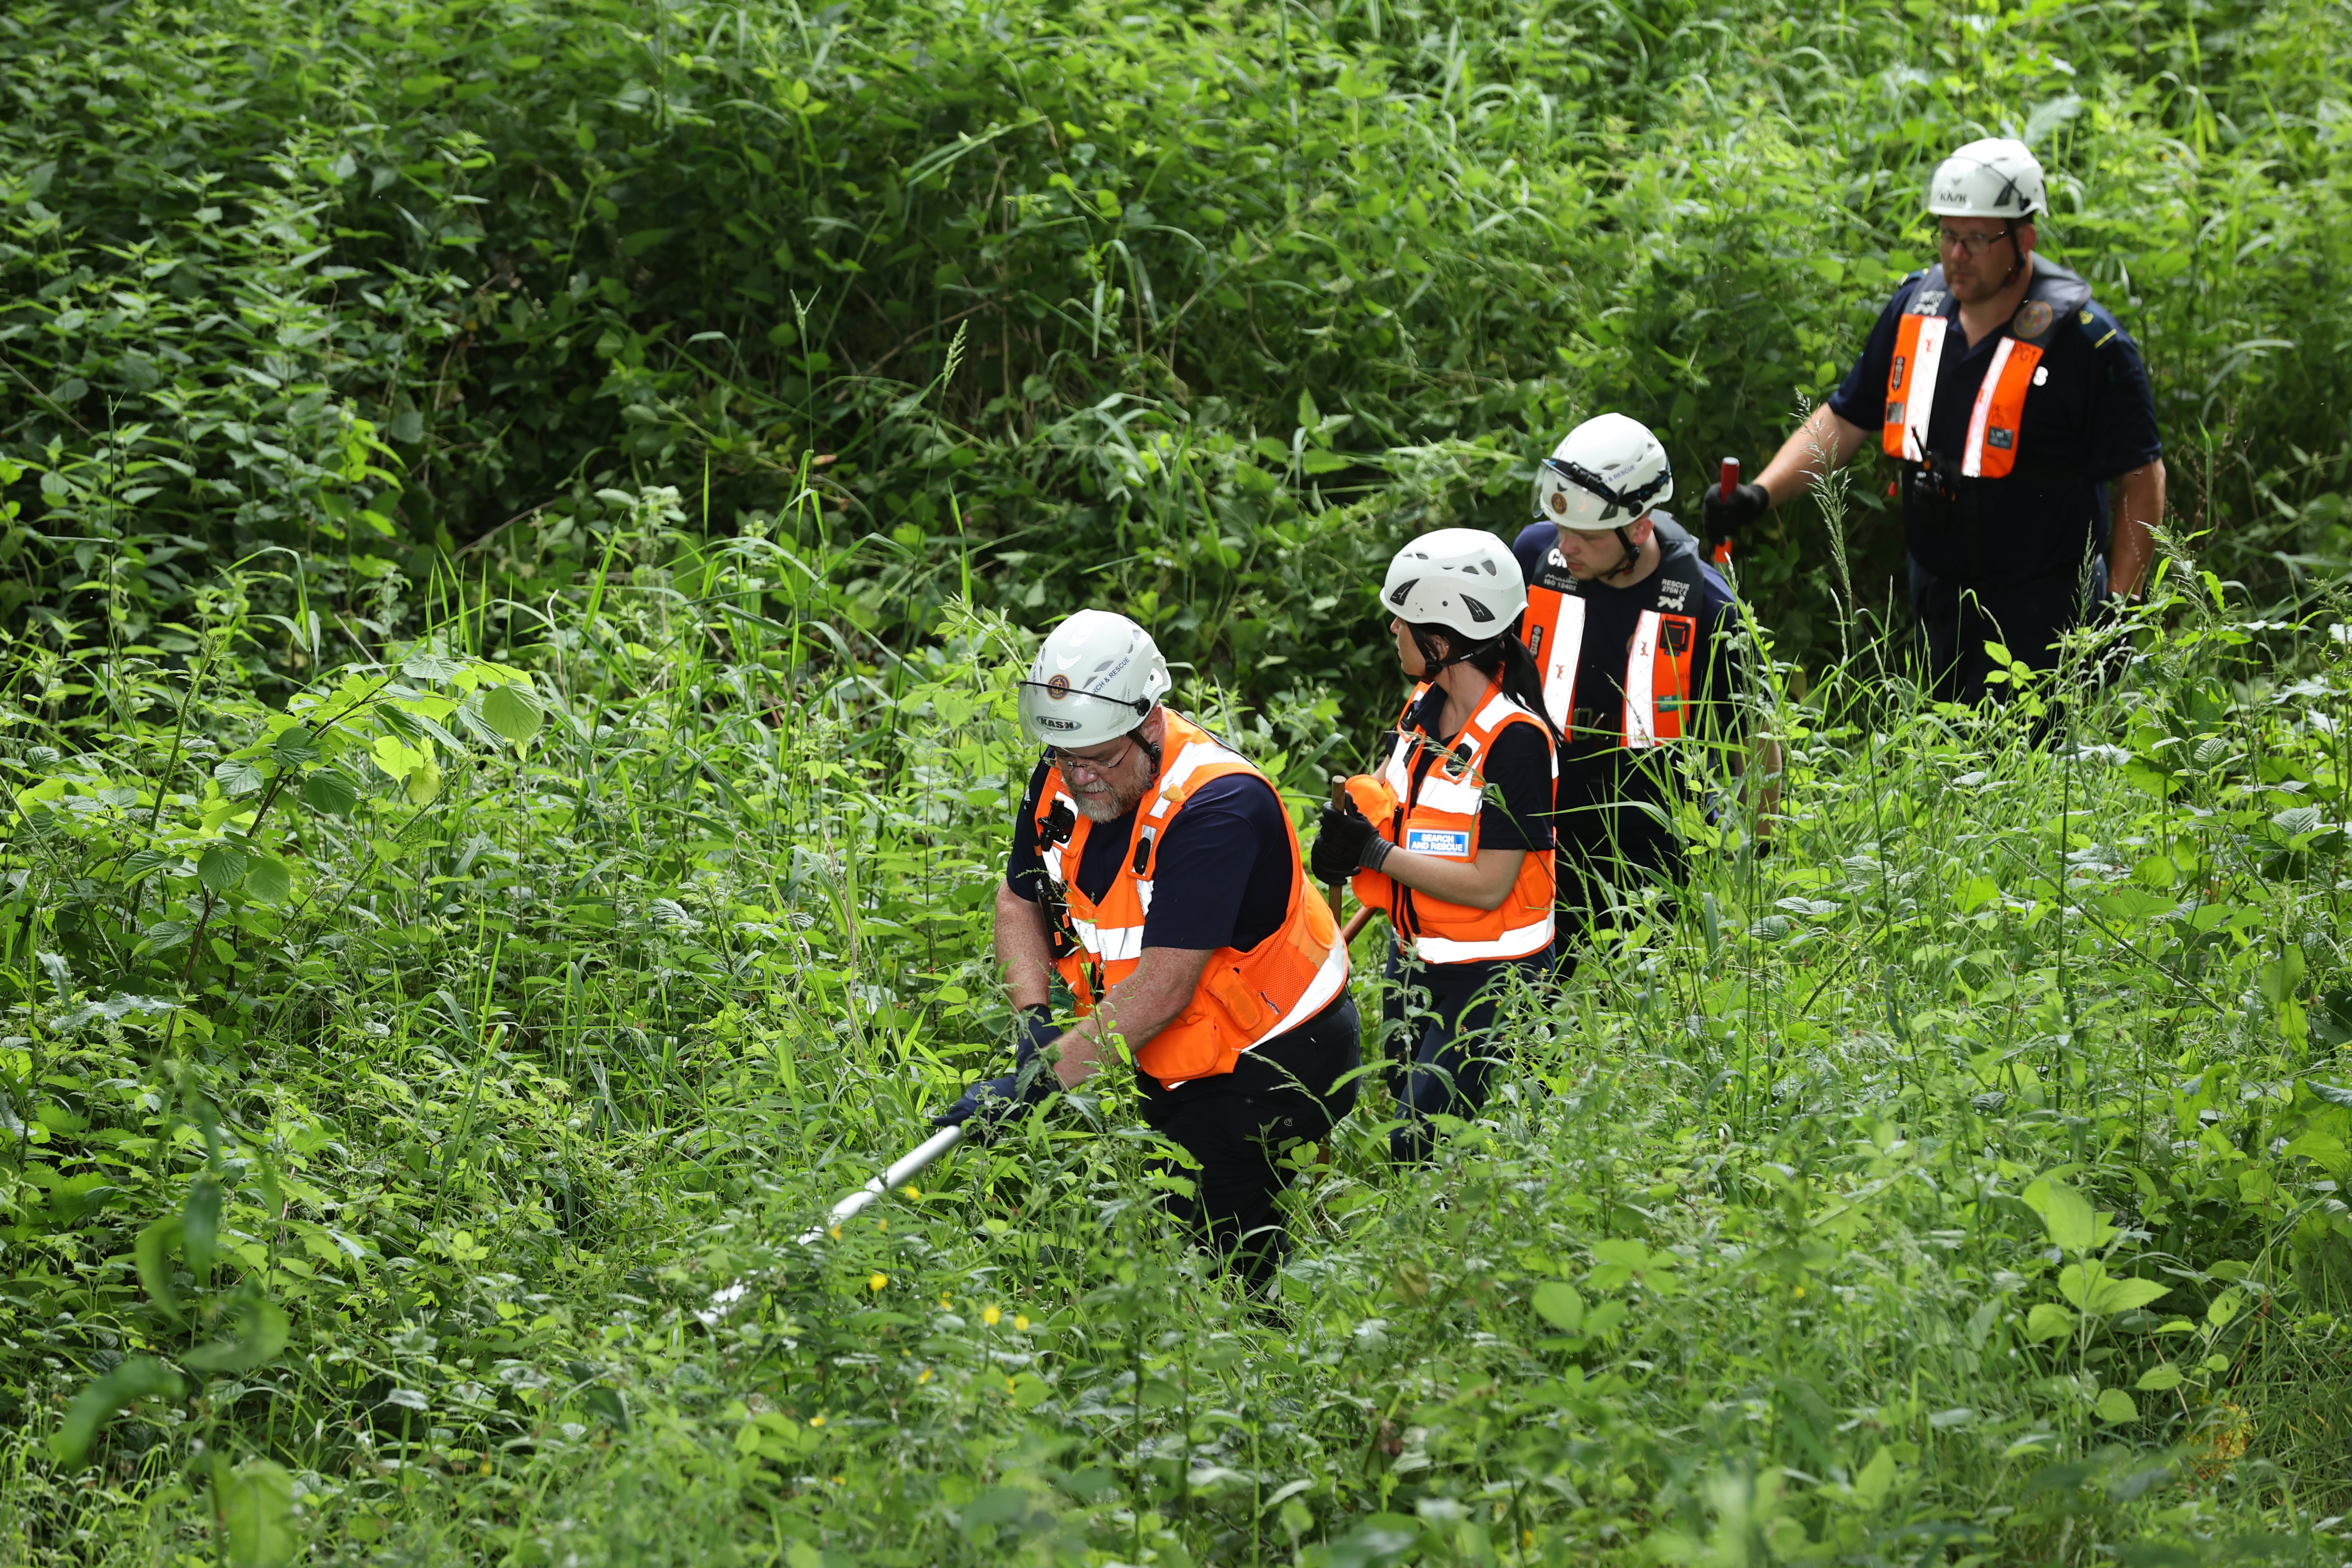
991 1104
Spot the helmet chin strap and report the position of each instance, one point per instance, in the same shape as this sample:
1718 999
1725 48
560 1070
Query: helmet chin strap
1633 555
1140 738
1432 665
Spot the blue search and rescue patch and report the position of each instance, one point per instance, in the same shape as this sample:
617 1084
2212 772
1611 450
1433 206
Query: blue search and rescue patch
1449 843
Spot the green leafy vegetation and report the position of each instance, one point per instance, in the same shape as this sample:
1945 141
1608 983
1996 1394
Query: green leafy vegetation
520 520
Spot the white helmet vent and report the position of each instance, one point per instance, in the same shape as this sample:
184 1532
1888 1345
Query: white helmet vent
1427 578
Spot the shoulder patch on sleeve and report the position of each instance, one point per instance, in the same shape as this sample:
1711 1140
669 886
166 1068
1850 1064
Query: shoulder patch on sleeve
2097 325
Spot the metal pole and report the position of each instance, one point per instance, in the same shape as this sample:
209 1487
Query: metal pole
909 1167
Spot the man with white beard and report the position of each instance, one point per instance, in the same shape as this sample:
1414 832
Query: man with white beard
1156 873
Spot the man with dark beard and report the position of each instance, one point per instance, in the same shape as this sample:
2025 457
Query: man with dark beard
1156 873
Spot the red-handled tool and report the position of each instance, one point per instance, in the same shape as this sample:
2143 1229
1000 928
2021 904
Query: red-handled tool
1731 482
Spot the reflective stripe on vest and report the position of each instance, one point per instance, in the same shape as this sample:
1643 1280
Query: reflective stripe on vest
1657 681
1244 998
1441 819
1554 633
1911 386
1991 450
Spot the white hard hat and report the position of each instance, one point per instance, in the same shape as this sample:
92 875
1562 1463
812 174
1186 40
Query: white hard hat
1607 472
1992 178
1462 579
1098 676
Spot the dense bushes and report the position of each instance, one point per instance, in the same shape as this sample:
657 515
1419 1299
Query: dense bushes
500 807
1244 293
393 1076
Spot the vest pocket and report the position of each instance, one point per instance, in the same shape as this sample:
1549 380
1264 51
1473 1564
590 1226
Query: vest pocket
1239 999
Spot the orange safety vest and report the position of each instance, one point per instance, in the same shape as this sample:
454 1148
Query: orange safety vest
1245 998
1438 815
1658 660
1990 449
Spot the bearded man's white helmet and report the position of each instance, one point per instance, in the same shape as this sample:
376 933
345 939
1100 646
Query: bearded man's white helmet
1098 676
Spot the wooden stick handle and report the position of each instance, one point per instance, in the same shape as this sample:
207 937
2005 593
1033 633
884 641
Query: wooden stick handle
1339 803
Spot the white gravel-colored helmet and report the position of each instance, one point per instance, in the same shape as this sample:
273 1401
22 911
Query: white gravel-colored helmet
1098 676
1992 178
1606 474
1462 579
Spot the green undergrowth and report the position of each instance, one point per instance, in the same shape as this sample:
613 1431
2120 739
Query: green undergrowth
1199 306
398 1074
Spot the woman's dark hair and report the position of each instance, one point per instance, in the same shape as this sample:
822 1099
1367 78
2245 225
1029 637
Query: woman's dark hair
1504 657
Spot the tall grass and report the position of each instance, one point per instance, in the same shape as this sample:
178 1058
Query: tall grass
1958 1180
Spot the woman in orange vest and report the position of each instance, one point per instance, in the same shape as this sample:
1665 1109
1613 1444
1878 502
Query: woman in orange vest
1452 838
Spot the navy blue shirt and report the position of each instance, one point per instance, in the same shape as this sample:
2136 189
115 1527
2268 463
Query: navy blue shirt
2089 416
1221 876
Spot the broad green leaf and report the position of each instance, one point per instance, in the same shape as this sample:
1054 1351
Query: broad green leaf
153 1253
1870 1486
1628 1254
2131 905
398 757
140 1377
2158 1379
147 860
511 712
240 775
1558 1304
424 783
2280 977
2049 1321
200 1226
2081 1283
256 1501
2122 1295
262 1329
329 791
268 879
2066 1212
2322 1148
221 868
2114 1406
1315 460
294 746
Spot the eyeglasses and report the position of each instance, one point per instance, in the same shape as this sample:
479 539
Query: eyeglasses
1974 243
1097 767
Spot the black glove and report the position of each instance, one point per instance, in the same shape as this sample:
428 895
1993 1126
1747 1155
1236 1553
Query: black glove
994 1103
1725 516
1344 842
